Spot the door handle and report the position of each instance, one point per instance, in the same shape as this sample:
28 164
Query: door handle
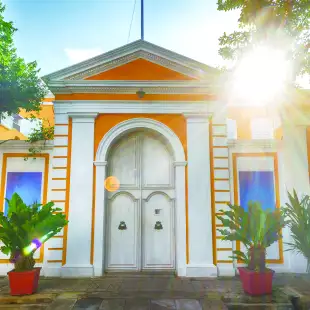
122 226
158 225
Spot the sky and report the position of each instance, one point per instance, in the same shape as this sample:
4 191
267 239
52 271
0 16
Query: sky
59 33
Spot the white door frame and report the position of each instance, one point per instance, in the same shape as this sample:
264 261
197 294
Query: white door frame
180 203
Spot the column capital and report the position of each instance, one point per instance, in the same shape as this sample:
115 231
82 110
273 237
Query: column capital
197 117
83 117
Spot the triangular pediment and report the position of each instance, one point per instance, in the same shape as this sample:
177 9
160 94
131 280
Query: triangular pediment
139 60
140 70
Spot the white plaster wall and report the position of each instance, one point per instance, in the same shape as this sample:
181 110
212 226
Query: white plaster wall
294 167
291 164
18 164
27 126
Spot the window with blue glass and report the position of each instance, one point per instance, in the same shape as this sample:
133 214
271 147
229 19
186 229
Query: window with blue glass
257 186
28 185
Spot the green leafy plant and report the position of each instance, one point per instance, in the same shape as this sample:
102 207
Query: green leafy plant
26 228
42 133
298 212
281 24
20 85
256 228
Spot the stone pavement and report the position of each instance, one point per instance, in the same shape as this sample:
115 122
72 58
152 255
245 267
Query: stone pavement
140 292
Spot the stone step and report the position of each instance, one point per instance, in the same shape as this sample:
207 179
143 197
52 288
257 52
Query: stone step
38 298
25 307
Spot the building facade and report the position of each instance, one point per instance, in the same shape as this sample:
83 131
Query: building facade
145 154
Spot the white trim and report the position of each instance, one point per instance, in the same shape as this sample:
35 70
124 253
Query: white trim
155 89
24 145
121 107
136 123
130 52
124 83
77 271
253 143
197 117
82 117
201 270
100 163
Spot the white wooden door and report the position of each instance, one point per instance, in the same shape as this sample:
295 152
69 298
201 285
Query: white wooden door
140 217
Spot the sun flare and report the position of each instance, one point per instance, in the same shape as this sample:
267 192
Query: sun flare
260 76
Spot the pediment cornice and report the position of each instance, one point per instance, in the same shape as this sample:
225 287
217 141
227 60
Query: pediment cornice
131 52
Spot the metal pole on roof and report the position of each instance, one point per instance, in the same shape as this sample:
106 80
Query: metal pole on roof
142 19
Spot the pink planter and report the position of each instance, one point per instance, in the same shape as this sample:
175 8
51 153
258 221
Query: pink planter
256 283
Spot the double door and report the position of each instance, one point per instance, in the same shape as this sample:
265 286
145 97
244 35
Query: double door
140 214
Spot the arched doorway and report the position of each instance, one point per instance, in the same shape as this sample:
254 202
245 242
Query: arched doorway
140 220
172 143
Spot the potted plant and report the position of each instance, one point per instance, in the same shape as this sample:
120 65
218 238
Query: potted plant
298 213
257 229
22 232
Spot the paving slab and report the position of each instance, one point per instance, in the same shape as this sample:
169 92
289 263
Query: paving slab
188 304
61 285
61 304
207 304
137 304
88 303
163 304
113 304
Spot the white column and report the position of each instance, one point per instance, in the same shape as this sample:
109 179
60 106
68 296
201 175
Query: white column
99 243
180 218
294 170
81 197
199 198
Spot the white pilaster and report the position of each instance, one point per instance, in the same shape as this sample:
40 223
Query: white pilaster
294 170
99 243
81 195
180 218
199 198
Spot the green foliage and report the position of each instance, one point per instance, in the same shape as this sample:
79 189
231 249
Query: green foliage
24 224
282 24
256 228
43 133
20 85
298 212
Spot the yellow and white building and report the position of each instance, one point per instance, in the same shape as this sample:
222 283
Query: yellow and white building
160 125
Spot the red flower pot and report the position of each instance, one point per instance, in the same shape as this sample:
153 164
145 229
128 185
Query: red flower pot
24 282
256 283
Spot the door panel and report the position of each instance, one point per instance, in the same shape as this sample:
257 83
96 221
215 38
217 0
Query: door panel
143 165
157 168
124 163
122 238
157 232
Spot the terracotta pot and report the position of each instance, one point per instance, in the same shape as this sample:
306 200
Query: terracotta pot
24 282
256 283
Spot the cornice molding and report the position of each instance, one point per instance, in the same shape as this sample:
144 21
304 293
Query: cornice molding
129 52
121 107
24 145
83 117
131 87
197 117
253 143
